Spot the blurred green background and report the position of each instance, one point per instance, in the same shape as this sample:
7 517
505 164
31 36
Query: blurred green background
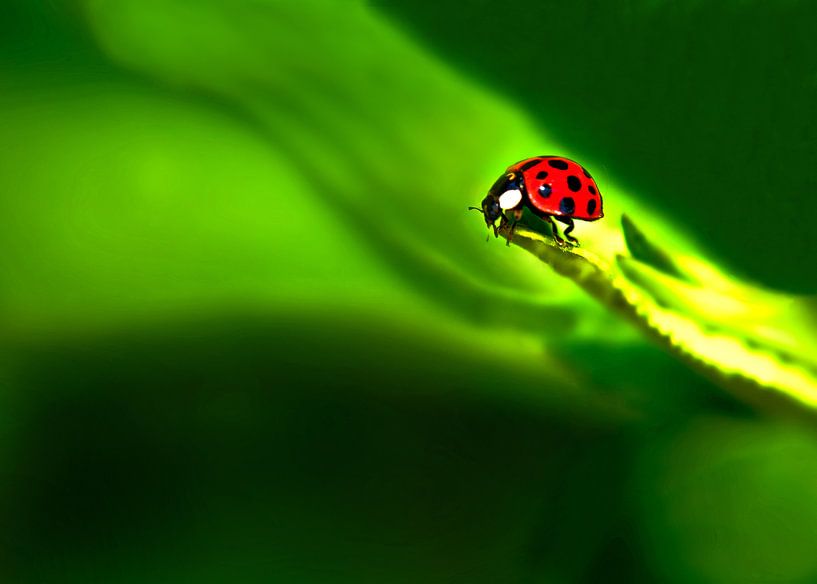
248 332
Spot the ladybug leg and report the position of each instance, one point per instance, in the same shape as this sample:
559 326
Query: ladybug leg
569 222
517 215
559 241
503 220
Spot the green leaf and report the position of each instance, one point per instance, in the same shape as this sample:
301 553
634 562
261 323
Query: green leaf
756 343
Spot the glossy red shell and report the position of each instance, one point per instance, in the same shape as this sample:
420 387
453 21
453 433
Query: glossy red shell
556 185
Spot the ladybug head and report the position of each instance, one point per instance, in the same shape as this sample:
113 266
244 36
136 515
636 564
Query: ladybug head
491 209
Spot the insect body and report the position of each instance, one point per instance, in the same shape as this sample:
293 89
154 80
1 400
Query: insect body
551 187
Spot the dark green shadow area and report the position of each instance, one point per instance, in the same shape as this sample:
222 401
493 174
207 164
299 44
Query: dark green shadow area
704 110
649 381
39 33
236 450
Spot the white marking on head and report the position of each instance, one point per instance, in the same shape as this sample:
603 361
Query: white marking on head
510 199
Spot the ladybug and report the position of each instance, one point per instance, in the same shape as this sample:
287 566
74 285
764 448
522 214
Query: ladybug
551 187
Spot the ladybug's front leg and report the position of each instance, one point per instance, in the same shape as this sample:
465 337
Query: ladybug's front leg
503 221
517 215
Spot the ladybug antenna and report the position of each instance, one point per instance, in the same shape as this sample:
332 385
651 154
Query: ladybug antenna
476 209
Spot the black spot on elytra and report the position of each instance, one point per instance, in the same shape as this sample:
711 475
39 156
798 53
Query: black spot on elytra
567 205
556 163
541 175
592 189
545 190
587 174
591 206
530 164
574 184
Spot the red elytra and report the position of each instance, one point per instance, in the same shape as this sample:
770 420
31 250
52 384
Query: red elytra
558 186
